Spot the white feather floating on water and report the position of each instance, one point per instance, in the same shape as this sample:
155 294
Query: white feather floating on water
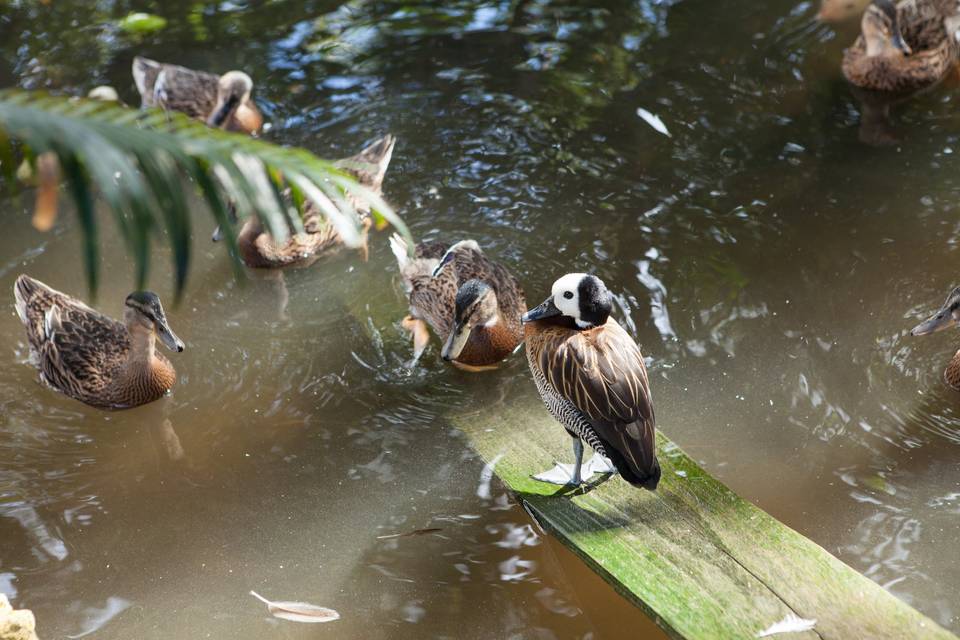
653 121
298 611
790 624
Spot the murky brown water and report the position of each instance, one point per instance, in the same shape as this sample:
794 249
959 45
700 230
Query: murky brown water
769 262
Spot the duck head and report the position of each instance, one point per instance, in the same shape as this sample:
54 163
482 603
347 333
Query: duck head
582 298
144 312
947 316
881 30
233 97
463 245
476 305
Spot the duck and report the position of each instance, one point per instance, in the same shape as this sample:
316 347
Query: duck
592 378
947 316
903 47
258 249
472 303
840 10
91 357
219 101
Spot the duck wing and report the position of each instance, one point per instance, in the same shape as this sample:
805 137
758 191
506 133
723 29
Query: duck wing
177 88
601 372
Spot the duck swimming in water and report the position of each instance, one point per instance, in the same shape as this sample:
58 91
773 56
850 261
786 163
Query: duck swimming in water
259 250
220 101
472 303
91 357
591 376
903 47
947 316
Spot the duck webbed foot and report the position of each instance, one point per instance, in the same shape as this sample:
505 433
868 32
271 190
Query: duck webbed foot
566 475
421 336
599 464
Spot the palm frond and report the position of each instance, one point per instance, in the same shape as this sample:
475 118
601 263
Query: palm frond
139 161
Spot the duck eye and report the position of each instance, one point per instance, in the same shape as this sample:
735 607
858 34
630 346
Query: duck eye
568 295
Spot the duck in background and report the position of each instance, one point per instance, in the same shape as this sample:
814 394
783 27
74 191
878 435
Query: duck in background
841 10
592 378
903 47
947 316
93 358
472 303
259 250
220 101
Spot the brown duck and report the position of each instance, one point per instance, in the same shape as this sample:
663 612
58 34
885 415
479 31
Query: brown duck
903 47
472 303
591 376
91 357
259 250
220 101
947 316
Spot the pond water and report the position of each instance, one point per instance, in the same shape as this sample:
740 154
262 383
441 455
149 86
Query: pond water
769 257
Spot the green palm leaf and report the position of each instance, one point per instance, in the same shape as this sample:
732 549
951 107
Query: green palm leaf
139 163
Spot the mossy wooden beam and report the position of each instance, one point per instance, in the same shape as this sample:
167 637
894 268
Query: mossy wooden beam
697 558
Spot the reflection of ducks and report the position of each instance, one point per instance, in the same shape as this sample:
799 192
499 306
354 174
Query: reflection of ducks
947 316
91 357
876 122
220 101
591 376
472 303
320 238
903 47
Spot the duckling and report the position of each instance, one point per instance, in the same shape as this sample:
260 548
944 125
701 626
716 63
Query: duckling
903 47
259 250
93 358
947 316
591 376
472 303
220 101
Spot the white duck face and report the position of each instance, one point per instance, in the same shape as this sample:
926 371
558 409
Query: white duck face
579 296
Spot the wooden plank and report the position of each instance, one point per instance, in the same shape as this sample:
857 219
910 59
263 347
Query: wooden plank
697 558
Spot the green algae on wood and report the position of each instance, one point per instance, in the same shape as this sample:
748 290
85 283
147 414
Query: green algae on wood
697 558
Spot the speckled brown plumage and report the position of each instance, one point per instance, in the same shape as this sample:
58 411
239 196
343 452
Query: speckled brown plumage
190 92
432 298
951 375
594 382
319 239
924 27
86 355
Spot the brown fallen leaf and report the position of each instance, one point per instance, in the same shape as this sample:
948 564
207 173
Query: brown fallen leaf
408 534
298 611
48 191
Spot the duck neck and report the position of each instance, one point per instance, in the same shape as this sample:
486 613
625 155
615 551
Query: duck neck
143 345
490 343
952 373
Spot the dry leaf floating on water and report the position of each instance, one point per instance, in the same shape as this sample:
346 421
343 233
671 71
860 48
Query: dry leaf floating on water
653 121
790 624
298 611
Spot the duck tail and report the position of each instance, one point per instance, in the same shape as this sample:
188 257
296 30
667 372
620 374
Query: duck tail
370 165
636 458
145 73
22 290
401 250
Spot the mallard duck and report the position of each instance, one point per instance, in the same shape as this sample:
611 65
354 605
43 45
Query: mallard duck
91 357
903 47
258 248
840 10
947 316
220 101
472 303
591 376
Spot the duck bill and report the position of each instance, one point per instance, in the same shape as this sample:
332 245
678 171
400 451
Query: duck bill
168 337
455 343
219 233
545 310
939 321
900 43
222 112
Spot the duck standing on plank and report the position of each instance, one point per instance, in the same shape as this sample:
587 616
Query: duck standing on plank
590 374
220 101
93 358
472 303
